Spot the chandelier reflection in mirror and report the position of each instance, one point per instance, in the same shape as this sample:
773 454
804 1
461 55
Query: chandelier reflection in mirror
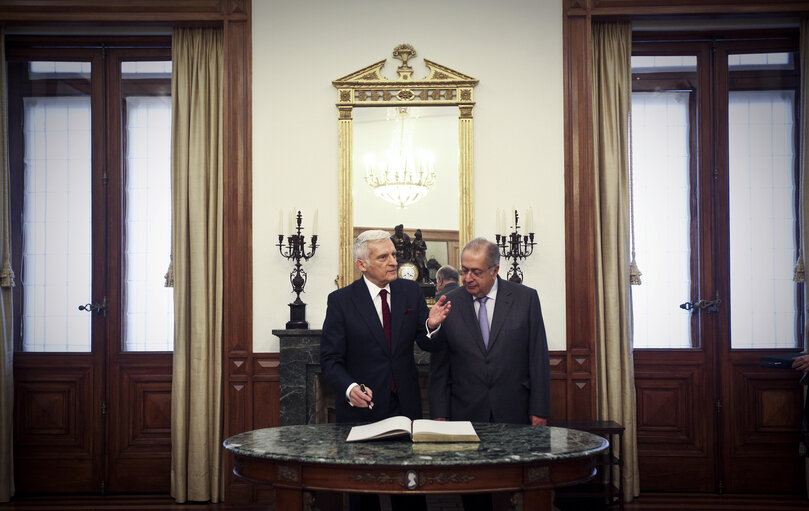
404 174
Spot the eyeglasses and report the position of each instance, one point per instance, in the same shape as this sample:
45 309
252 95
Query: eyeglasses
476 272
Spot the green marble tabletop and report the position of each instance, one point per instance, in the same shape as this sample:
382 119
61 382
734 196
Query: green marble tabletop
499 443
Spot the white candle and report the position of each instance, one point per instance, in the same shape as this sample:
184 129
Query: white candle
280 222
497 221
314 224
530 219
292 222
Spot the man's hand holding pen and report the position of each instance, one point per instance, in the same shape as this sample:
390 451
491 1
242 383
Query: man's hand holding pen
362 396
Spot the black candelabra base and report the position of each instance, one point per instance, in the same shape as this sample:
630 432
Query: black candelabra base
295 250
297 316
514 273
515 247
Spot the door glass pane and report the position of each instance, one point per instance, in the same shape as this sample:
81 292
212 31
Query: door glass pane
56 246
761 61
661 190
762 219
148 304
663 63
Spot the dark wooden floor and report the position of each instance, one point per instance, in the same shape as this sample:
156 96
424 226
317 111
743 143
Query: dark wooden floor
113 503
715 502
649 502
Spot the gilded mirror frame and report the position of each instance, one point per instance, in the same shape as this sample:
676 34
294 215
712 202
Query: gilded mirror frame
367 87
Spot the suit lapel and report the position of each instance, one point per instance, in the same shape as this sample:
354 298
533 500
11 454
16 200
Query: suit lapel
364 305
470 320
397 312
501 307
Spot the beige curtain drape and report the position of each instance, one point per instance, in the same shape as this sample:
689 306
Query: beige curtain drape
196 167
612 88
6 283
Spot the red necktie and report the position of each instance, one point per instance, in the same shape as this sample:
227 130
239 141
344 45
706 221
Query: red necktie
386 326
385 314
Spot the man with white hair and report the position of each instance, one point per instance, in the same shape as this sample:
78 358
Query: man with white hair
366 348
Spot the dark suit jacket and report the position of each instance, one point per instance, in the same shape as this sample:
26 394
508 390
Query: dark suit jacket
353 348
510 380
449 286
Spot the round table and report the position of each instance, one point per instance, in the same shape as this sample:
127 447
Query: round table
527 460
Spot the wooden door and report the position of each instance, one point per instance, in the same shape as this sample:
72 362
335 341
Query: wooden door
92 405
674 361
710 418
758 148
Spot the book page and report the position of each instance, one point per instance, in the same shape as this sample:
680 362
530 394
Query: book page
425 430
392 426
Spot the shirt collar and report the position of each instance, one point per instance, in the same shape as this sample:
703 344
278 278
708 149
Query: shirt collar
492 294
493 291
373 289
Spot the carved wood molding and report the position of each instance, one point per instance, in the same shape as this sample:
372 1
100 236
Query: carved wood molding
681 7
413 479
152 11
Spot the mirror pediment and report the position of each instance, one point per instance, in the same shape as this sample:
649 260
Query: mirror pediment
441 86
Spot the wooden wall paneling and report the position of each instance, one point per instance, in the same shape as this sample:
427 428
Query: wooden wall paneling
558 363
236 409
694 7
235 18
238 247
266 391
579 222
121 11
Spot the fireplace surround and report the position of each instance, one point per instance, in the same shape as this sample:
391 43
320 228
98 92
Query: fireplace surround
305 398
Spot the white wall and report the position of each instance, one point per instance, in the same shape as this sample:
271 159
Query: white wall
300 47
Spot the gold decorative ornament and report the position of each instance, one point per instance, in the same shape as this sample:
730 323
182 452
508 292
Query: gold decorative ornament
367 87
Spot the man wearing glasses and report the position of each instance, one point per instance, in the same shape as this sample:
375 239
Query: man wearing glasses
494 367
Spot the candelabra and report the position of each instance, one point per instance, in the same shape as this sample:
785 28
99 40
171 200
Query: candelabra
514 246
295 249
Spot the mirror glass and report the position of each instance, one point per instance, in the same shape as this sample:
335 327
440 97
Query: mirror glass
433 130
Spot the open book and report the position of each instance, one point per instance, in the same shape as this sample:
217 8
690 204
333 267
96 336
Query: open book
419 430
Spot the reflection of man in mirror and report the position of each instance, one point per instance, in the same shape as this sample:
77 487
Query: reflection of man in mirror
433 265
420 256
446 279
401 242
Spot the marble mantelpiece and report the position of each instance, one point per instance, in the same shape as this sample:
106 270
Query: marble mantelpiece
299 373
304 397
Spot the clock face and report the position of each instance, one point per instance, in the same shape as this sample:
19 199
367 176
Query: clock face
408 271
